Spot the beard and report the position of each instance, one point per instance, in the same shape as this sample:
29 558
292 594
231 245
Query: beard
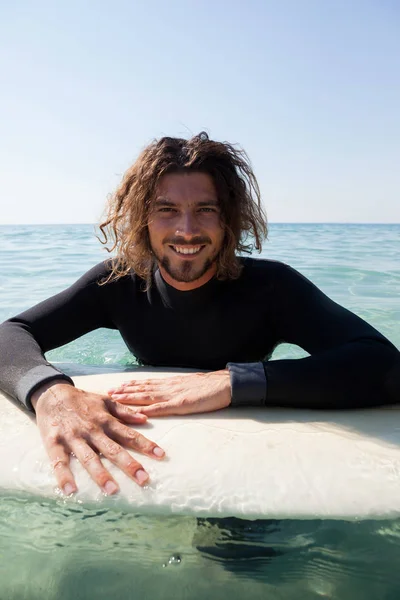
187 272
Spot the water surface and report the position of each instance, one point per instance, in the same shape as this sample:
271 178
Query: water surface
56 550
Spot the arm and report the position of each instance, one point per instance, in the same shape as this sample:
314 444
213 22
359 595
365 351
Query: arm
351 365
25 338
70 420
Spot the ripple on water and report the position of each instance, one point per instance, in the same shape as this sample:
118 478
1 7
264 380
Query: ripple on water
53 546
50 550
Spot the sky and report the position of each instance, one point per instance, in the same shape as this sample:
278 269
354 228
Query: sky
309 88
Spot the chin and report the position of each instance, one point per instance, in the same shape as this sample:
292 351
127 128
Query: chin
187 273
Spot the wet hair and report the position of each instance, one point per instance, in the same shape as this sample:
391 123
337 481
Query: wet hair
127 214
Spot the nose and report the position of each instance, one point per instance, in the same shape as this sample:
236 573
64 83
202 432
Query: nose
187 226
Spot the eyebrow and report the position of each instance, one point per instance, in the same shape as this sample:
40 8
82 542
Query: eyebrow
166 202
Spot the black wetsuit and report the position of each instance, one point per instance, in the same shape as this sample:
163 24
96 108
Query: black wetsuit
241 321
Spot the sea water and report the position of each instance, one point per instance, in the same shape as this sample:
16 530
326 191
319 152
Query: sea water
55 550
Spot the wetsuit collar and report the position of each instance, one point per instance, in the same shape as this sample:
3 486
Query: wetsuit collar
185 300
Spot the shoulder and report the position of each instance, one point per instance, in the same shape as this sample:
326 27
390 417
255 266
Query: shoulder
102 275
261 268
279 277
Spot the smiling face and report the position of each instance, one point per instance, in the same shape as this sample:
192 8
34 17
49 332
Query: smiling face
185 229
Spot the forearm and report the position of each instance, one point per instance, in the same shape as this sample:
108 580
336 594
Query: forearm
50 324
359 374
352 376
23 367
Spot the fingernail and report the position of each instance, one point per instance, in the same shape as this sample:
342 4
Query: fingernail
68 489
158 452
111 391
141 416
110 488
141 476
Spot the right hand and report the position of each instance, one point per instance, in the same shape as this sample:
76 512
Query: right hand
71 420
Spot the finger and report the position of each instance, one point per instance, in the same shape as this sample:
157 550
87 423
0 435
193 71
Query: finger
130 438
60 462
137 398
93 465
121 458
139 387
133 384
151 380
144 383
126 414
162 409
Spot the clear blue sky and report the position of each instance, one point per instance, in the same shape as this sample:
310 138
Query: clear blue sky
309 88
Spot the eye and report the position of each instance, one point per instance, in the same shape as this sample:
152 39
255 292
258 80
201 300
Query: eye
166 209
208 209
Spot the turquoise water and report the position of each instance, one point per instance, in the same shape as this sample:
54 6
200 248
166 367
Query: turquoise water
53 550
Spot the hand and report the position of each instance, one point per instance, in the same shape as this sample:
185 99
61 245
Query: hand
184 394
85 424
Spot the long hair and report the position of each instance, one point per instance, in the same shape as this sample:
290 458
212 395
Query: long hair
127 213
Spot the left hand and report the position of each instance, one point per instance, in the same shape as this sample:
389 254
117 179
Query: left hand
179 395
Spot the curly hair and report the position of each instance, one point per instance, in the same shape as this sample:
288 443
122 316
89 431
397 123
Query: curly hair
127 214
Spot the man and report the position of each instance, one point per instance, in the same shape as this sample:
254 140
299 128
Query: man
181 297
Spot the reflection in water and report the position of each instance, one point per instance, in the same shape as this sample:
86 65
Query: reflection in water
238 545
59 550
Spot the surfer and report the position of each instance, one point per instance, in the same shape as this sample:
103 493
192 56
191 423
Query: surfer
182 294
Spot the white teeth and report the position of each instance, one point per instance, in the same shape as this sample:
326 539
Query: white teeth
184 250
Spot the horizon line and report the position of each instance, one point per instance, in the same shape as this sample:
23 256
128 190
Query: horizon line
269 223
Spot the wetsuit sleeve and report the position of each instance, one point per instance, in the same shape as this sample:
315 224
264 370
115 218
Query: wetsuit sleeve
25 338
351 365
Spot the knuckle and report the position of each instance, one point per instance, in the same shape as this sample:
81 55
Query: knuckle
59 463
111 448
102 477
92 427
87 457
132 466
137 440
53 438
102 421
133 436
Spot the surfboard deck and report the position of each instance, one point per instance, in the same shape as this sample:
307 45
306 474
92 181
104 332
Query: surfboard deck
248 463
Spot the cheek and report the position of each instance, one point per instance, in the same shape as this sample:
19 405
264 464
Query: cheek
213 225
156 232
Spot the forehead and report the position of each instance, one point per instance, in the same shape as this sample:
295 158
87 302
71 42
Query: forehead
181 187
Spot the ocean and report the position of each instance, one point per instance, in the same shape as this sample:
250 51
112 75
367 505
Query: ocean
50 549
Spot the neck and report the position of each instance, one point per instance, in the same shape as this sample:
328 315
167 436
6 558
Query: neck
187 286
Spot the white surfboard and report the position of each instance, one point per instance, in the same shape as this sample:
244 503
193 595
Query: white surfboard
249 463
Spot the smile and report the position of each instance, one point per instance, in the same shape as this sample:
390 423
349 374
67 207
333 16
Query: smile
187 250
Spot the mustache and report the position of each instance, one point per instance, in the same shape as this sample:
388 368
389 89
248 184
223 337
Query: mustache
196 241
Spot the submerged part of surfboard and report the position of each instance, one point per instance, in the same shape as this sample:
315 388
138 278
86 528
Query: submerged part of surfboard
271 463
